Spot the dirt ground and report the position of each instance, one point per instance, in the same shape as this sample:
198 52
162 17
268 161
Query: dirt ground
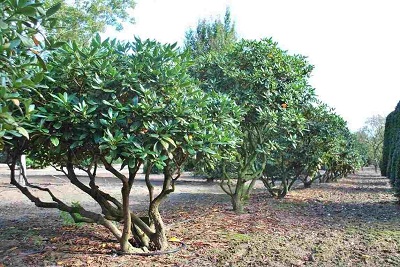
355 222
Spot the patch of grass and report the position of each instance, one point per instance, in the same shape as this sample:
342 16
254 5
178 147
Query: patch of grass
386 234
376 234
237 237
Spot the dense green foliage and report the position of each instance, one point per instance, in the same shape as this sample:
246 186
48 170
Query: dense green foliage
390 165
270 85
22 67
324 143
286 133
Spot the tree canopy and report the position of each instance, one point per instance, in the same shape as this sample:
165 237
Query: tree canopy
79 20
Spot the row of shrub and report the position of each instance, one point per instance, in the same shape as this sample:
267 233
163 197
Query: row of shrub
246 110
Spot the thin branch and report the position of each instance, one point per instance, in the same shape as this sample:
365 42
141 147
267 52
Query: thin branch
150 187
111 169
251 186
133 172
229 193
99 196
226 177
168 185
56 204
141 224
292 182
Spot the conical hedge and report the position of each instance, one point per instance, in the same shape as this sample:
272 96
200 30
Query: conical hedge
390 165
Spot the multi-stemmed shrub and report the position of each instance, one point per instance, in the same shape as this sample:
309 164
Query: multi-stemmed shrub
127 102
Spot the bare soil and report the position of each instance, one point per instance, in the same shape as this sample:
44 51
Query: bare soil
355 222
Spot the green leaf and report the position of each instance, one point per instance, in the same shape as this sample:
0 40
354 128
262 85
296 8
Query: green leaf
41 11
23 132
27 11
28 82
135 100
26 41
163 158
38 77
3 25
132 163
22 3
82 136
104 122
169 140
52 10
31 108
41 62
57 45
191 151
164 144
107 103
49 78
55 140
57 125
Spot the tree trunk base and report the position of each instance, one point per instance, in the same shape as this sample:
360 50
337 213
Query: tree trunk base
237 206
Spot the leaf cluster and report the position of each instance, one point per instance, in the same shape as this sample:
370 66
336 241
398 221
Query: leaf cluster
22 45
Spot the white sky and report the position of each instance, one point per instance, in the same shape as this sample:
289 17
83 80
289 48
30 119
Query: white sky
353 44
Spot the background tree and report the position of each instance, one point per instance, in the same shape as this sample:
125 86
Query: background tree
343 157
317 141
303 159
325 141
363 149
372 135
269 84
282 170
210 36
79 20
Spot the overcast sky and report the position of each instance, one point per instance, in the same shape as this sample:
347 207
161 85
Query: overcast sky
353 44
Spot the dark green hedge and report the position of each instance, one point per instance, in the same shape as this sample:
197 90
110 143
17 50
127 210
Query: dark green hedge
390 165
